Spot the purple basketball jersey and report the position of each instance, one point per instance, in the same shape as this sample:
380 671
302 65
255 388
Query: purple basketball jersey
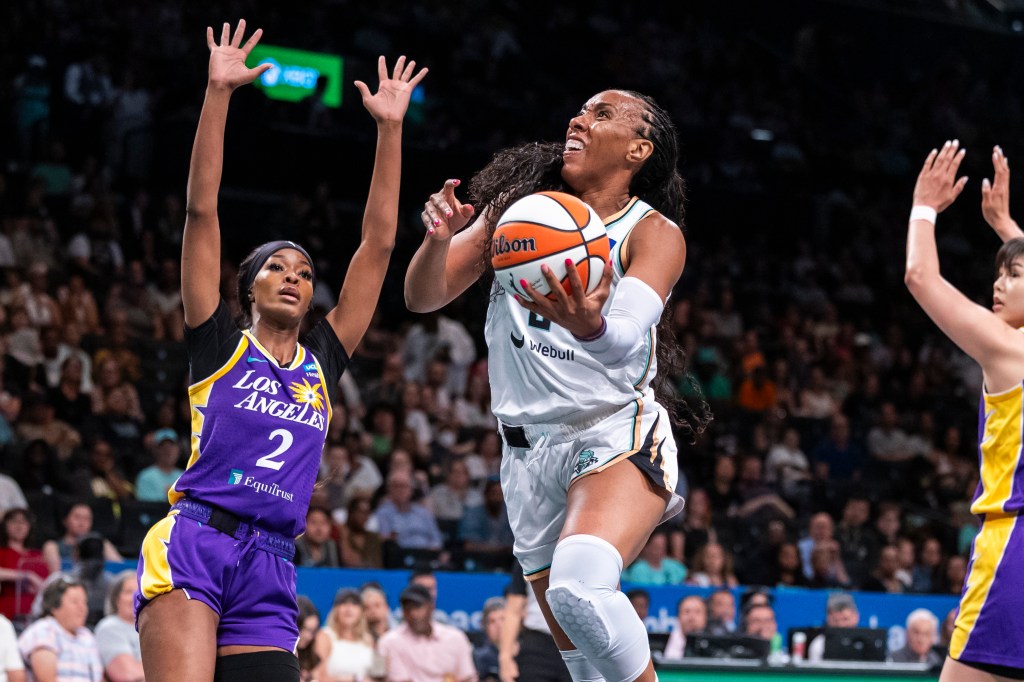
258 431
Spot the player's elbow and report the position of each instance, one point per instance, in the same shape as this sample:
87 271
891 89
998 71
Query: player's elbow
418 300
916 277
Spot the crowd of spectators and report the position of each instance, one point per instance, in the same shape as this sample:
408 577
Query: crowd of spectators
842 452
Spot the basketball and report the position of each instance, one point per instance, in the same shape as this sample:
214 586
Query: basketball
547 228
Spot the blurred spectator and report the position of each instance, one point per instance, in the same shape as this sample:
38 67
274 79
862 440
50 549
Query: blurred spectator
840 612
308 622
922 635
315 548
11 496
954 574
359 547
153 482
58 646
838 457
116 637
527 650
77 524
888 444
378 614
855 537
948 625
424 577
346 473
38 422
789 570
827 569
12 669
344 645
485 527
697 527
435 336
692 617
721 613
821 528
71 403
759 621
757 393
449 501
926 575
787 466
386 387
712 567
78 306
641 601
407 523
473 411
22 567
885 577
107 480
485 656
421 649
653 567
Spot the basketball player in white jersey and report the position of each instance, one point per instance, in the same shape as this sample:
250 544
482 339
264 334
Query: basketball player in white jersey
589 464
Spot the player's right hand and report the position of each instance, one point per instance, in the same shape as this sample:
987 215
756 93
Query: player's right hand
444 215
995 196
227 60
937 185
508 670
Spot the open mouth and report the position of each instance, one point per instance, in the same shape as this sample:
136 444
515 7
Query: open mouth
573 145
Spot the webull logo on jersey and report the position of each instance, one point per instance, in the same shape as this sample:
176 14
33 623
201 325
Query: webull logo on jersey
545 350
307 408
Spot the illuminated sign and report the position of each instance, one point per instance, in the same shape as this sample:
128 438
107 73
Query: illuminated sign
296 74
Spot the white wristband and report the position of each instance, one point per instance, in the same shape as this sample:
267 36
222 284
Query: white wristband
926 213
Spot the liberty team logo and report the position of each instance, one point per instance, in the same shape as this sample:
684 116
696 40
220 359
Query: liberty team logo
586 458
236 476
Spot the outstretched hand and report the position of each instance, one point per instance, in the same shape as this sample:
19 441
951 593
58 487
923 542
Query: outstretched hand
577 311
443 214
391 100
227 60
937 185
995 195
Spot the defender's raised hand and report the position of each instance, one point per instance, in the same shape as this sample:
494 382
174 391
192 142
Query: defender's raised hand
227 60
995 198
937 185
391 100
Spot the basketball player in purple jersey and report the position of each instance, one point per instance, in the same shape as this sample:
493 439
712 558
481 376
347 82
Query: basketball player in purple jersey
986 644
589 462
216 595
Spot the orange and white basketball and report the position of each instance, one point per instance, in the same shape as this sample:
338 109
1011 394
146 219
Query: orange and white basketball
547 228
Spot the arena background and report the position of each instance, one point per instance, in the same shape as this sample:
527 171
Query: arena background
802 127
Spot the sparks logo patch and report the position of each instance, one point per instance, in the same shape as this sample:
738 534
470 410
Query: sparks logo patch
236 476
307 393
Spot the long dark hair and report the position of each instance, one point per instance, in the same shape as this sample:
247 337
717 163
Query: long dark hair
537 166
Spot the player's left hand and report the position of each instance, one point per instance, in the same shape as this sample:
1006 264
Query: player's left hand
391 100
937 185
578 312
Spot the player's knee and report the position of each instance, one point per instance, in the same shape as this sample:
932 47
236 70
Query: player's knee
585 600
258 666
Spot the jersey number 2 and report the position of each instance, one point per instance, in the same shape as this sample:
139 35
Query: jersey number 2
268 461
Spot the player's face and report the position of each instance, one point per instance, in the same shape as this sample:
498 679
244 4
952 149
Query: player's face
284 285
1008 294
599 139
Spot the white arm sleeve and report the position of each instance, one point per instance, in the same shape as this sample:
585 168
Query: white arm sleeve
636 307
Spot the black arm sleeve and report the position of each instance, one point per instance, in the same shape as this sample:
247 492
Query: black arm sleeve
324 344
211 343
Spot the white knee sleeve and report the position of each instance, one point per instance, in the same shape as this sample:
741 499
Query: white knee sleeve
585 600
579 667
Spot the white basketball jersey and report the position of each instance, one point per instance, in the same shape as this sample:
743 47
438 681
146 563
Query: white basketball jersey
541 374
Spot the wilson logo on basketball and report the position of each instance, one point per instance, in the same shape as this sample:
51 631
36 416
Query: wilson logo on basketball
502 246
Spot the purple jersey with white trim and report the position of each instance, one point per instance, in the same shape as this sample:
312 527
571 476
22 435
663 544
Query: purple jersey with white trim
258 429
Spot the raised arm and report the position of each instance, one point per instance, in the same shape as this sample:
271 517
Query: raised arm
993 343
200 247
361 290
995 198
448 261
